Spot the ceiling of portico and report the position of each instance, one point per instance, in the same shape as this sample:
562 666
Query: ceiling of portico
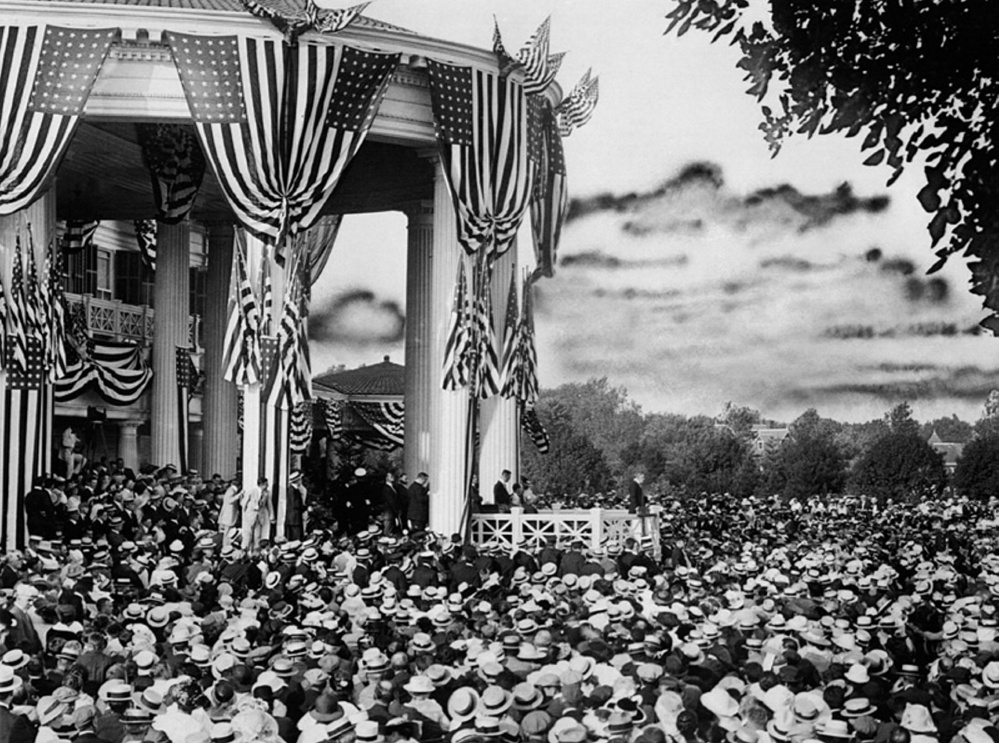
103 177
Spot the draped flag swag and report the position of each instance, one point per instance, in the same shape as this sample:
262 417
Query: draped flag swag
332 417
79 234
301 428
279 153
46 77
116 369
386 418
145 237
176 166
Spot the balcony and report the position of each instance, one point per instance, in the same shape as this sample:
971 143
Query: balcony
112 318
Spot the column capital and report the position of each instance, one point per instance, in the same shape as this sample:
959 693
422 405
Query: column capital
419 212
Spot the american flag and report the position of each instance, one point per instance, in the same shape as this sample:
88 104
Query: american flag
32 375
481 124
267 296
577 108
301 427
527 391
332 417
241 347
34 300
293 363
535 429
56 314
550 203
511 357
79 234
279 124
458 342
387 418
46 78
17 348
187 378
3 327
485 380
145 238
273 391
176 166
539 66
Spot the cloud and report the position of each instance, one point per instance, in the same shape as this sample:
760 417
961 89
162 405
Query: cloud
695 294
357 317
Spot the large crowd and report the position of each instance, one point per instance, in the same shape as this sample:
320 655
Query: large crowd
132 615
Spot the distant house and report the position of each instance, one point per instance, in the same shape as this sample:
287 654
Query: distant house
950 450
765 436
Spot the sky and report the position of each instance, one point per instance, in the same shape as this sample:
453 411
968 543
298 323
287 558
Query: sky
773 301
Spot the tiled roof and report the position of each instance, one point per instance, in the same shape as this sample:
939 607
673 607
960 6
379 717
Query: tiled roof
384 378
229 6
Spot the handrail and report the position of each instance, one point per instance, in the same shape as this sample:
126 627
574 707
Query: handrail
126 322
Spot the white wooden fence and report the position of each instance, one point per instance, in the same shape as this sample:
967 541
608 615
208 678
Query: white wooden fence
593 527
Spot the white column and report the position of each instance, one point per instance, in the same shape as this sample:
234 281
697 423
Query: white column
221 400
170 300
421 375
196 443
449 410
128 443
499 421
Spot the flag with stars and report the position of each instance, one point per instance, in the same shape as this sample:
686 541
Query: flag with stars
511 358
17 329
480 119
187 377
46 78
176 167
576 108
279 123
550 200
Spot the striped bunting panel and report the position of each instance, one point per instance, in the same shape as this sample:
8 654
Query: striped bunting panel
117 369
46 78
242 92
386 418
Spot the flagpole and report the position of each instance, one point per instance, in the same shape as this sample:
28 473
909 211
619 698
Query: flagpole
251 392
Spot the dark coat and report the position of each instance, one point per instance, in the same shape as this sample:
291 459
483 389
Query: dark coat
636 499
419 503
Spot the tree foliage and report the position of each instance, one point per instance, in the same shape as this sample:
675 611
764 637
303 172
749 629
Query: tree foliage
574 463
899 464
917 79
809 461
951 429
977 473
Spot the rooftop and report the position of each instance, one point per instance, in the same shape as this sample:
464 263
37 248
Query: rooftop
381 379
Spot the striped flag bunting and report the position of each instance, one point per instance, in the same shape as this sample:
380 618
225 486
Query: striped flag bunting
58 360
187 377
300 435
278 123
480 120
117 370
527 388
266 297
531 425
17 324
550 201
315 245
388 419
511 331
332 413
576 109
145 237
275 420
241 347
304 16
540 67
34 300
24 438
176 166
456 348
485 377
46 78
79 234
3 326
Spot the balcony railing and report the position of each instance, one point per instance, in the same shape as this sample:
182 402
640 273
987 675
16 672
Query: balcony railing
593 527
114 319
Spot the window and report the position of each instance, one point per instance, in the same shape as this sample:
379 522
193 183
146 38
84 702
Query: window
105 287
81 271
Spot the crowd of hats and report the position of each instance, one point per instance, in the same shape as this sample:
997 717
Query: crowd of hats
760 623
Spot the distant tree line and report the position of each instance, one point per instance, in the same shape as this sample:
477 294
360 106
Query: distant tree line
600 438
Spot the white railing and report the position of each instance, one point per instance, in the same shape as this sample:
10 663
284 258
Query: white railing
125 322
593 527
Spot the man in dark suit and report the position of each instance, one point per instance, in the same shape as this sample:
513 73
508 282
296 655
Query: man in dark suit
636 501
501 491
419 503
